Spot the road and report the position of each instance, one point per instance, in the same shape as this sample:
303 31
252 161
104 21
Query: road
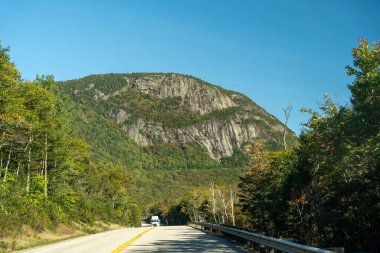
180 239
144 239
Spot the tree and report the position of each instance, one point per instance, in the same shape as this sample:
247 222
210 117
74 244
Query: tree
45 174
325 191
286 111
248 187
10 102
365 89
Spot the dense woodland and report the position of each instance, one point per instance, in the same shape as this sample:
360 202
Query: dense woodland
324 191
46 173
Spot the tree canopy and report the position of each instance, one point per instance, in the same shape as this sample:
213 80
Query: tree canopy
326 191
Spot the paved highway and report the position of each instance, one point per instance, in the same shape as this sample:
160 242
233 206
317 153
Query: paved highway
180 239
144 239
101 242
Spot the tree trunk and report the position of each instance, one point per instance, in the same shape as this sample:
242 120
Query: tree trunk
42 163
225 214
232 207
45 167
300 211
28 172
1 147
6 166
213 202
287 114
113 200
18 169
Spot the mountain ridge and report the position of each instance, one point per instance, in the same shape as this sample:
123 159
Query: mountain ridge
176 109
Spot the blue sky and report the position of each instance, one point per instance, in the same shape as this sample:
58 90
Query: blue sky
278 53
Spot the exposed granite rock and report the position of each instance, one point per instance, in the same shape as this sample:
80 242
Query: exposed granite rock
121 116
196 96
219 135
220 138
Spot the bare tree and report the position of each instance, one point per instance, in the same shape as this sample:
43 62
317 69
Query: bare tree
232 200
28 171
28 148
213 202
224 203
46 167
286 111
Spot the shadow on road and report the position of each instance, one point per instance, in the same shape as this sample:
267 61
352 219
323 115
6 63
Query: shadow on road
191 241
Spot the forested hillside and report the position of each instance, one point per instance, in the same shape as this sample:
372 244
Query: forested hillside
46 173
173 131
172 120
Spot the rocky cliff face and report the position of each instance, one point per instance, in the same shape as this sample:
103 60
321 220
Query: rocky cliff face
194 95
220 138
178 109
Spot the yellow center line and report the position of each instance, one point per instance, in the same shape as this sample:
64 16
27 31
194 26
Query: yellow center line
121 247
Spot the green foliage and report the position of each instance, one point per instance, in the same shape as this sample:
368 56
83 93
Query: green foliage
157 186
325 192
210 203
50 175
45 176
366 89
238 159
10 105
160 166
107 94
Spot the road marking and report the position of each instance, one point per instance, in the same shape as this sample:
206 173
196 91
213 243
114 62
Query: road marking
121 247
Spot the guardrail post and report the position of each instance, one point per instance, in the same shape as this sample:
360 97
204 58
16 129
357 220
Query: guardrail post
262 249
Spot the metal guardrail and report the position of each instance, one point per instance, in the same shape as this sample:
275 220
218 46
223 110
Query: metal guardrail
271 244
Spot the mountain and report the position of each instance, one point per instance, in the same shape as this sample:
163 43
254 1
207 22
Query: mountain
170 122
177 110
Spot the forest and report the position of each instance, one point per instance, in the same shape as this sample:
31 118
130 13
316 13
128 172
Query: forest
323 190
47 176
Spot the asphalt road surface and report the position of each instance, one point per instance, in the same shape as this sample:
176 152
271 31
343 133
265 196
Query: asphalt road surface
180 239
101 242
144 239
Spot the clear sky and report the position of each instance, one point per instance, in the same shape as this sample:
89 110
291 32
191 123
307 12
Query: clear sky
278 53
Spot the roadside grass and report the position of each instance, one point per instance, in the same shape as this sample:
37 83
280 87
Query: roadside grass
29 238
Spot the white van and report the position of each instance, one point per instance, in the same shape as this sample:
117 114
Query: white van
155 221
